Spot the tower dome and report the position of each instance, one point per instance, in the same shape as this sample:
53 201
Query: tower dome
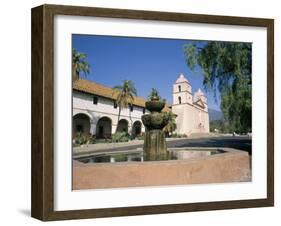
199 92
181 79
182 91
199 95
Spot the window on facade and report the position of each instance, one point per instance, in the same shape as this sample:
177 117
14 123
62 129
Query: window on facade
95 100
143 110
179 100
131 107
179 88
115 104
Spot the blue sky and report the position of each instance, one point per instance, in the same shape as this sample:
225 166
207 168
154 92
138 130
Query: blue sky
148 62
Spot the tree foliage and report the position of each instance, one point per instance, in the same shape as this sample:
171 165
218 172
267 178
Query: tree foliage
227 68
154 94
219 126
125 95
79 64
171 126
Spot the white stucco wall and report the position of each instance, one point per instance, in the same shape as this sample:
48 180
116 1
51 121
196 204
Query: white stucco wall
186 97
83 103
189 117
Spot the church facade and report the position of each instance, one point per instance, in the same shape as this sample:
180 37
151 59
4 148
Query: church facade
191 110
95 110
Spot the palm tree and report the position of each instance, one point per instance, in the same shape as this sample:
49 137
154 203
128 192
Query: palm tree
171 126
154 94
125 95
79 64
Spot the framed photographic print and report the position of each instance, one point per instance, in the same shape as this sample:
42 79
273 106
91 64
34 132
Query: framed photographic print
141 112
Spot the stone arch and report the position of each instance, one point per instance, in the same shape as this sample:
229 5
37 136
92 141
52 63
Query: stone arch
81 123
104 127
123 126
136 129
84 112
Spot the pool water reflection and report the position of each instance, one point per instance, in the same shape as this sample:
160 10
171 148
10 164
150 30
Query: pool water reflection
138 155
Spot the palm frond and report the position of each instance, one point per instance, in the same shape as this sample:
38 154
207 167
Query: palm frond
79 64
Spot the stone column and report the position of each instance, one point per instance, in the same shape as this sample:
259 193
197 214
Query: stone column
130 129
113 129
155 145
93 128
142 129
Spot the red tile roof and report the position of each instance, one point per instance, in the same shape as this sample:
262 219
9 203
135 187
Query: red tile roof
104 91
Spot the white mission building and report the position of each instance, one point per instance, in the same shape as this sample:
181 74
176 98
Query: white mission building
95 110
191 110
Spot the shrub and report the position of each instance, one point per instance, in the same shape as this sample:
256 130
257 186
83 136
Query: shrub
120 137
176 135
80 138
92 140
140 136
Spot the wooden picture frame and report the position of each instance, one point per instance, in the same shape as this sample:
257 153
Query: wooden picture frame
43 107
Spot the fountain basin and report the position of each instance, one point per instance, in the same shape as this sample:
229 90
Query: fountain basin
157 120
155 105
193 166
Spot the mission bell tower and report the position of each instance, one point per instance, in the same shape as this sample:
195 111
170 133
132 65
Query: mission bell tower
191 110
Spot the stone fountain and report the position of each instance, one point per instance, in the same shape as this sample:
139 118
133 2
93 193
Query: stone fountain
201 163
155 147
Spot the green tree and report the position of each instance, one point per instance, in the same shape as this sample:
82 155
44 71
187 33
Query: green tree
153 94
227 68
171 126
79 64
125 95
219 126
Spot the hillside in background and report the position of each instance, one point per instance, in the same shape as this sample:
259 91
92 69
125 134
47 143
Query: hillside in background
215 115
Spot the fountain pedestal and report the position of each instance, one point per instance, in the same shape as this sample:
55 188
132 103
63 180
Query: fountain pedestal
155 147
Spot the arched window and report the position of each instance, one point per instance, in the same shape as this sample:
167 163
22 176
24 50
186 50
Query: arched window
122 126
179 88
104 127
179 100
81 124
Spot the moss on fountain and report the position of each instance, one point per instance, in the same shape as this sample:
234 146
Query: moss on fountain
156 120
155 147
154 105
